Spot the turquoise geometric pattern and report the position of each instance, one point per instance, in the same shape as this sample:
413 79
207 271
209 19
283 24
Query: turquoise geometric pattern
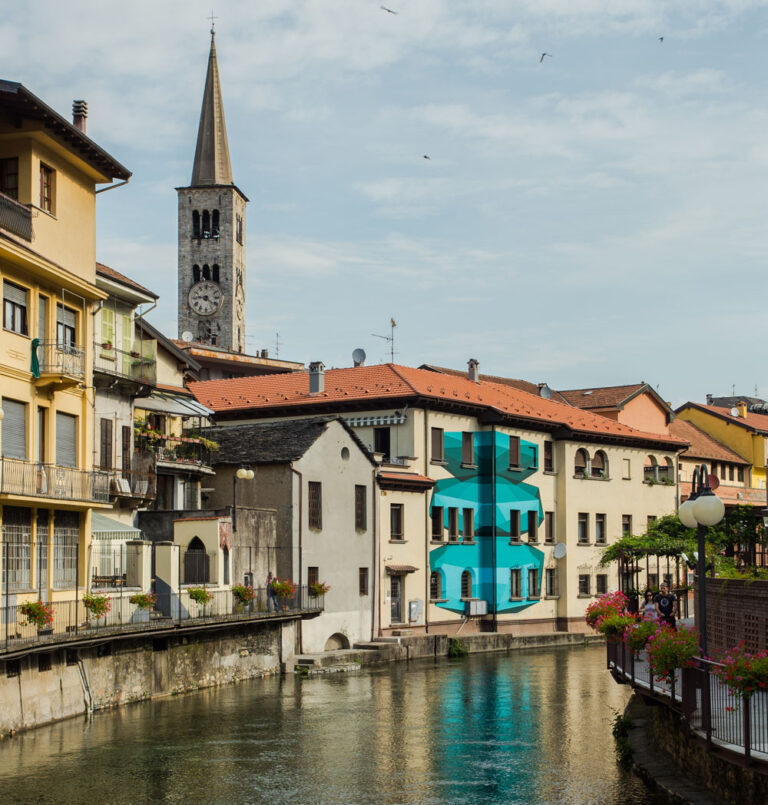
471 487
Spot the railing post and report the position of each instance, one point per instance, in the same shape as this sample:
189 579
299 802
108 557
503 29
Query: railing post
706 706
746 706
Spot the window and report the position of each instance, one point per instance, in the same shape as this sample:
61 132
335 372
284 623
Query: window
437 444
17 548
514 451
396 521
435 586
126 454
215 272
584 584
651 469
653 581
66 327
41 431
453 524
467 448
549 526
468 524
9 177
533 527
466 584
196 224
196 275
599 467
315 494
14 429
206 272
15 308
361 515
206 224
625 473
730 472
363 580
215 224
583 528
381 441
42 317
533 583
239 228
105 456
437 523
313 575
66 440
44 662
550 579
740 474
514 525
549 458
514 583
626 525
601 584
650 520
66 539
581 464
46 187
600 536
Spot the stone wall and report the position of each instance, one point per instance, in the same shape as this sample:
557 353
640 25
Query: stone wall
737 610
40 688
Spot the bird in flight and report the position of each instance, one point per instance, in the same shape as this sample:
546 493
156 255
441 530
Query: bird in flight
543 55
426 157
388 10
661 39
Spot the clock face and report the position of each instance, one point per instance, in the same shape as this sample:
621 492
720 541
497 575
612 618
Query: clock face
205 298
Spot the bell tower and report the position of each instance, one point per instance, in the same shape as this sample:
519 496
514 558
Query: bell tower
211 267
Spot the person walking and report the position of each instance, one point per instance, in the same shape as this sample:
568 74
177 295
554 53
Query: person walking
271 594
649 607
666 606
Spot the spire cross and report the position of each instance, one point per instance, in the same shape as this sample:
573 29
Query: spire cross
213 23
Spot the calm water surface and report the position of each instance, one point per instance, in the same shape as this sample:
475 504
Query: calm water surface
526 727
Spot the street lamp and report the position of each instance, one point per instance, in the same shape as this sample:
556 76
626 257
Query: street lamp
702 509
242 474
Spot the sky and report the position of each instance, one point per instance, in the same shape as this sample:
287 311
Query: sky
596 218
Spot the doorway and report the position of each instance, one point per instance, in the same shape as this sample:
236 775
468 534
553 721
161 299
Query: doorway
396 597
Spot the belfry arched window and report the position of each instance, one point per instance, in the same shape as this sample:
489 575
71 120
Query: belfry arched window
206 272
196 273
215 273
206 224
196 224
215 224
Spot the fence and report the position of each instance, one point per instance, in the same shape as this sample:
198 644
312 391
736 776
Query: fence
710 708
117 362
15 217
59 358
175 449
20 477
70 619
108 564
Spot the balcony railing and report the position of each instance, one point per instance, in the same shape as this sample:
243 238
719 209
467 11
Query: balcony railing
71 619
175 449
140 484
127 365
20 477
15 217
56 358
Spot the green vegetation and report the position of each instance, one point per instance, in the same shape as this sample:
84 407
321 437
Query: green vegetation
457 648
621 727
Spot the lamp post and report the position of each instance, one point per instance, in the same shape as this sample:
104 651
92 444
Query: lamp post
702 509
242 474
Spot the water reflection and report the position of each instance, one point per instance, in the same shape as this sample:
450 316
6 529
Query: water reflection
527 727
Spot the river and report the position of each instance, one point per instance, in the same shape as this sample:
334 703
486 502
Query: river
523 727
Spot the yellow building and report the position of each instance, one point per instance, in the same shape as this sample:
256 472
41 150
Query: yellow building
49 171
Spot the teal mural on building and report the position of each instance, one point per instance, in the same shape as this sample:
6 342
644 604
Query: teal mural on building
471 487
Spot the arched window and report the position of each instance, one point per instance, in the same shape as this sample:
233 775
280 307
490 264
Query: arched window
215 273
666 470
225 562
206 272
196 563
466 584
215 224
196 273
599 465
195 224
651 469
204 333
206 224
435 586
581 464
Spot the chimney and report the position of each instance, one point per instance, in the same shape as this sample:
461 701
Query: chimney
316 377
742 408
473 373
79 114
709 399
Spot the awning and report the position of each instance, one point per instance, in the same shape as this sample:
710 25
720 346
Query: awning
398 569
172 404
103 527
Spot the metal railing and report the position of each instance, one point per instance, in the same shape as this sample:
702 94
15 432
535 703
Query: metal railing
72 619
724 718
119 363
57 358
15 217
175 449
130 483
20 477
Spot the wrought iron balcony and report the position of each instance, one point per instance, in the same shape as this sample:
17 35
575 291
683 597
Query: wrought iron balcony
20 477
15 217
58 363
118 363
175 449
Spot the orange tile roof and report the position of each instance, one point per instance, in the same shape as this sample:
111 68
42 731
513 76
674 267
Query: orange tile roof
756 422
730 495
702 445
389 382
106 271
601 396
523 385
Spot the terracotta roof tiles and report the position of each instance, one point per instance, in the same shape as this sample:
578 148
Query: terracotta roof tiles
110 273
600 397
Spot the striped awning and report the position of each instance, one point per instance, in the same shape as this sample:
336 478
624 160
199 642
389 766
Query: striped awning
103 527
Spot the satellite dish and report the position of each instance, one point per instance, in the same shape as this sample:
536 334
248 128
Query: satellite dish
545 392
187 336
560 550
358 356
734 411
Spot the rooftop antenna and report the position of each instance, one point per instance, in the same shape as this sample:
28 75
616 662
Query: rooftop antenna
213 23
733 390
390 338
277 344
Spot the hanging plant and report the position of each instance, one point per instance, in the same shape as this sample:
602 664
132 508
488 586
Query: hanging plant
143 600
669 649
97 605
37 613
200 595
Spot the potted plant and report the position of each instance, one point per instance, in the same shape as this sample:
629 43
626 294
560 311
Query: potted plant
669 649
638 634
97 605
284 589
242 594
200 595
106 345
614 624
143 600
38 614
610 603
744 672
318 588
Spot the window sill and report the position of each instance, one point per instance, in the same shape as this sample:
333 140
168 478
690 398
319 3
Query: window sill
583 544
16 332
551 597
550 543
585 595
532 542
550 472
438 600
515 542
398 541
469 466
437 542
468 541
600 544
440 462
516 598
45 212
534 598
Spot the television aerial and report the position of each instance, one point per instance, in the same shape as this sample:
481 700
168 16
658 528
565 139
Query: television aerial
390 338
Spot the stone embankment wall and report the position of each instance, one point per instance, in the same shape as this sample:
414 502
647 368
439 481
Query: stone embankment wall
63 682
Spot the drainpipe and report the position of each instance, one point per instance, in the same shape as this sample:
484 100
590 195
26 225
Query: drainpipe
427 524
301 533
374 566
495 621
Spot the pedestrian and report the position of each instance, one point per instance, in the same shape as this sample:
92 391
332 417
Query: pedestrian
649 607
271 593
666 605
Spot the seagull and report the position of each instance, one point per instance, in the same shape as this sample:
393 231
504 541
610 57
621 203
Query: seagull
543 55
426 157
661 39
388 10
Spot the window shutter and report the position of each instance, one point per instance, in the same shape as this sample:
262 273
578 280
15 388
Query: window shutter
15 294
14 429
105 459
66 440
107 326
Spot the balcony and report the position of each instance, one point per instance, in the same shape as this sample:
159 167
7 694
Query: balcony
132 368
134 487
57 364
15 218
177 450
30 479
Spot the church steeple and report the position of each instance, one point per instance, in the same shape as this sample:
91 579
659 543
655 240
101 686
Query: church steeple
211 166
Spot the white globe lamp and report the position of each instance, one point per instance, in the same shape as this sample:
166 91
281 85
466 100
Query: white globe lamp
708 509
686 515
242 474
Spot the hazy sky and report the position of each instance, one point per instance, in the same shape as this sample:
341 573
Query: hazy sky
598 218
